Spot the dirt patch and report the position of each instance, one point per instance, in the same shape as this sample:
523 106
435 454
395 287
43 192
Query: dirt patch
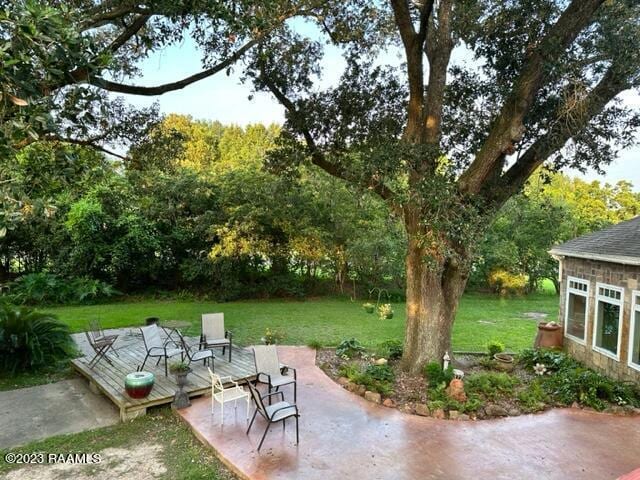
142 462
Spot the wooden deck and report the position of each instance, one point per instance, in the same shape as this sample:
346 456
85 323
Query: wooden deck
109 379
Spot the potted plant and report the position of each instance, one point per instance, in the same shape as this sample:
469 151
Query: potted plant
272 337
180 370
385 311
368 307
504 361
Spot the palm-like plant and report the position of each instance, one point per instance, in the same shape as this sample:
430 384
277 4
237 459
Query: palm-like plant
30 340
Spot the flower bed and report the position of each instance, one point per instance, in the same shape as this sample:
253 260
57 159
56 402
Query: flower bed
535 381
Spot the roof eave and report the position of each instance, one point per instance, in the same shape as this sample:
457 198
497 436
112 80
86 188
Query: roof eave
621 259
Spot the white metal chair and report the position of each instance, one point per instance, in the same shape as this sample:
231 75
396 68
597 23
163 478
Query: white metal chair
156 347
270 371
213 333
221 394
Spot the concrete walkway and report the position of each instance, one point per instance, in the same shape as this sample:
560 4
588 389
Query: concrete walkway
344 436
34 413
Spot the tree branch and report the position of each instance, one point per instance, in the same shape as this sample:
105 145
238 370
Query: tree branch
317 157
129 32
611 84
508 126
169 87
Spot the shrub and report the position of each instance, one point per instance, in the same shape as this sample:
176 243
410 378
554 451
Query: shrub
383 373
506 283
553 360
589 388
533 398
30 340
391 349
385 311
272 337
436 375
494 346
39 288
490 385
349 348
373 384
349 370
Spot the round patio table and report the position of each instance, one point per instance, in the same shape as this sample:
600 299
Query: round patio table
171 326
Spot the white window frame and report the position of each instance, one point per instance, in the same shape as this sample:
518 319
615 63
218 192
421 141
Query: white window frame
566 307
611 301
635 307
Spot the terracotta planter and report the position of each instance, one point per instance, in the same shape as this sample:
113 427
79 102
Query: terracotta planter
504 362
550 335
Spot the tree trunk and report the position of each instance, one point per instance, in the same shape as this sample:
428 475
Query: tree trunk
433 292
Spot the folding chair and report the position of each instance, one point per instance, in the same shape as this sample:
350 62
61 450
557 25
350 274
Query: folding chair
156 347
101 347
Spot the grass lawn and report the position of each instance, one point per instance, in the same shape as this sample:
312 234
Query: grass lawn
481 318
158 445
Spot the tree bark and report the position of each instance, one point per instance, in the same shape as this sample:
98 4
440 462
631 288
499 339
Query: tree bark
433 292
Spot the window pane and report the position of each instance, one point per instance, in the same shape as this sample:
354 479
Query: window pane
576 315
635 350
607 334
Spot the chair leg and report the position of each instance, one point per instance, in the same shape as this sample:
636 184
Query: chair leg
297 436
166 372
284 424
295 392
222 411
264 435
230 352
145 361
252 420
248 408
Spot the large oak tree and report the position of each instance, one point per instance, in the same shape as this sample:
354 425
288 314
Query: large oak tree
488 91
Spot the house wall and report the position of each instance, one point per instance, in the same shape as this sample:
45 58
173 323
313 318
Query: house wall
625 276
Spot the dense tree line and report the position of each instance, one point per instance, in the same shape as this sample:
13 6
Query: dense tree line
192 207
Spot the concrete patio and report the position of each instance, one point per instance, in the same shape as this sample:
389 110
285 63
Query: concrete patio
344 436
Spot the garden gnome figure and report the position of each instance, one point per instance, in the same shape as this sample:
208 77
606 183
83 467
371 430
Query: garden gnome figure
446 359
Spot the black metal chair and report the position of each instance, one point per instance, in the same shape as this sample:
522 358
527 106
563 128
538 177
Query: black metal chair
271 371
195 356
278 412
156 347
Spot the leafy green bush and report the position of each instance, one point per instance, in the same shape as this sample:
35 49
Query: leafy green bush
383 373
533 398
588 388
349 348
494 347
552 359
490 385
390 349
349 370
39 288
30 340
436 375
438 398
365 378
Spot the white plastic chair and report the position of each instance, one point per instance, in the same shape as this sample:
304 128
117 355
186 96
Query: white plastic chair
221 394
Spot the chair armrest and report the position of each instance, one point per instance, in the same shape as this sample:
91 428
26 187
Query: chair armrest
293 405
266 375
228 334
267 395
284 367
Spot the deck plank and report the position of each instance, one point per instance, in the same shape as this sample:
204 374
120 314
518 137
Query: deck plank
110 378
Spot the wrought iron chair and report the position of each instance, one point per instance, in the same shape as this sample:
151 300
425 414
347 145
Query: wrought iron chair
213 333
271 371
278 412
221 394
156 347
